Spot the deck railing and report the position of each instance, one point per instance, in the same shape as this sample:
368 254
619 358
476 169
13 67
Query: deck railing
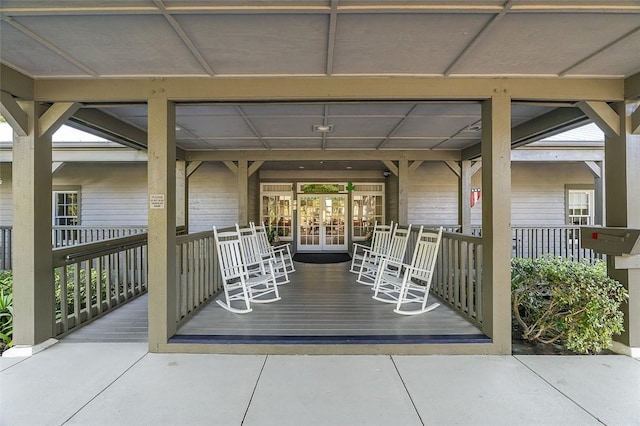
457 278
563 241
197 273
93 278
458 274
62 236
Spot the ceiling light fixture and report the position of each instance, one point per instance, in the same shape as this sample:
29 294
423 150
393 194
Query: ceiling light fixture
323 128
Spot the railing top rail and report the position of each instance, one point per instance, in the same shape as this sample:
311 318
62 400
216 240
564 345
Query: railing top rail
99 227
546 227
462 237
79 252
185 238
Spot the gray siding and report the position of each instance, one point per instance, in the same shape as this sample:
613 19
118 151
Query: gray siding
116 194
113 194
213 197
539 191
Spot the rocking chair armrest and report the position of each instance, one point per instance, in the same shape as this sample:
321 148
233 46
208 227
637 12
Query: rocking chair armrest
362 246
410 271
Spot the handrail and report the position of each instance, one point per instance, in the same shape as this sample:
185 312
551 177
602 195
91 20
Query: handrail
73 254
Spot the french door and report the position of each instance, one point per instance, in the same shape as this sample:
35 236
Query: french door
322 222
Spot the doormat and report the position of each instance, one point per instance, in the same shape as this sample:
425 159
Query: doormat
322 257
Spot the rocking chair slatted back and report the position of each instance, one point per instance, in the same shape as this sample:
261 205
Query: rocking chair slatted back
250 245
230 255
425 254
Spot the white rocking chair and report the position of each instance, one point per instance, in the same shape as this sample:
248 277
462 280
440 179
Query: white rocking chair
411 286
240 289
379 245
281 252
256 260
370 266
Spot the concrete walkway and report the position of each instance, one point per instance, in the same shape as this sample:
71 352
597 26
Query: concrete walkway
123 384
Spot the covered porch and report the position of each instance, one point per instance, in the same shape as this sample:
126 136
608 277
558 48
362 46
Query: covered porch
185 103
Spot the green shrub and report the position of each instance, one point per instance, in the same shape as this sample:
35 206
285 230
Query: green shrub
6 298
6 310
573 303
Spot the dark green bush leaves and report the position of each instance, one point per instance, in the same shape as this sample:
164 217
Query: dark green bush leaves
559 300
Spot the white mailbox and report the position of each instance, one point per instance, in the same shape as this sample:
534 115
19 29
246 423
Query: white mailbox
622 243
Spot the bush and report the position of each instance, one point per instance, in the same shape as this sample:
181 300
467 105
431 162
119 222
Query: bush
557 300
6 310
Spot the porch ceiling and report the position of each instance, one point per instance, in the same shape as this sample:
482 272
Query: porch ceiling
101 39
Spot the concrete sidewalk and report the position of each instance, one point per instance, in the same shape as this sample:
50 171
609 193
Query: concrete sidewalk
123 384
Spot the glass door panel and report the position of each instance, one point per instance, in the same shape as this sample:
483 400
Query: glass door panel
309 222
334 221
321 222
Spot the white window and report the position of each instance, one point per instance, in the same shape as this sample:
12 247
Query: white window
276 207
66 208
367 208
580 207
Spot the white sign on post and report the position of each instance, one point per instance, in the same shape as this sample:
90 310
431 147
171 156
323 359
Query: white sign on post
156 201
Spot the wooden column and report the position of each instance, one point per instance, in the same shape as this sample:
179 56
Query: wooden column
182 194
464 195
496 221
403 190
243 192
622 180
33 290
162 221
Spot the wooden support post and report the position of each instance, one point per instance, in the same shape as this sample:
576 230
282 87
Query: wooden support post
162 222
182 194
33 290
597 170
403 191
622 156
243 192
464 197
496 221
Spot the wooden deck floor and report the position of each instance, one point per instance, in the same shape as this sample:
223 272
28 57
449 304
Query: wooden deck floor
322 304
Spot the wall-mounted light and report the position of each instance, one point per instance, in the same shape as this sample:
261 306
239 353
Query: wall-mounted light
386 173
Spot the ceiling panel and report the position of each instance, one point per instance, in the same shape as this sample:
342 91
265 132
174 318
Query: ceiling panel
235 143
539 44
433 126
295 143
354 143
26 54
118 44
402 43
273 110
457 143
363 126
260 44
370 109
411 143
216 126
624 55
275 127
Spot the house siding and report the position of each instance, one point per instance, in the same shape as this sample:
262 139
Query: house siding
119 192
538 191
213 197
